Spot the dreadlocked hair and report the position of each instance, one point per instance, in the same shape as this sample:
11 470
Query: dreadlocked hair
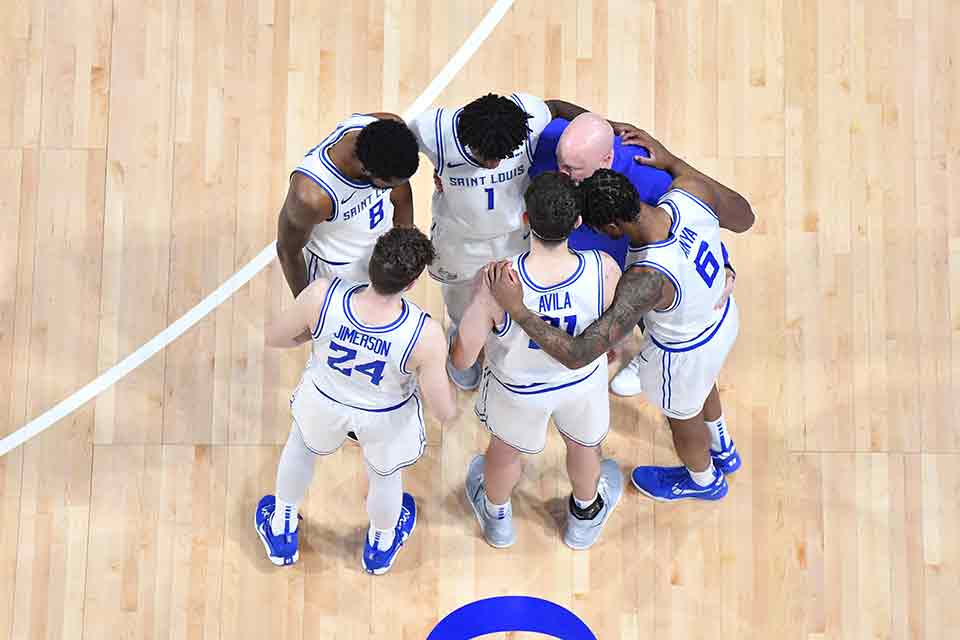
553 205
388 150
609 197
398 258
493 126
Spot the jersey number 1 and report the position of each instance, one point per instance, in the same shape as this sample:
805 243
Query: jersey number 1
489 192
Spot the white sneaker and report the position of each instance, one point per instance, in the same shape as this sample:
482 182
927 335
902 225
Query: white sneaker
627 382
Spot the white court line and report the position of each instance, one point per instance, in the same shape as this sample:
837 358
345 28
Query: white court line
110 377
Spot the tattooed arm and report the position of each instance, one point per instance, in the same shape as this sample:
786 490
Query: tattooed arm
638 291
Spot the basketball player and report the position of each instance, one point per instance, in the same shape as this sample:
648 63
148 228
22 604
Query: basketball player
370 349
523 387
672 281
346 192
482 155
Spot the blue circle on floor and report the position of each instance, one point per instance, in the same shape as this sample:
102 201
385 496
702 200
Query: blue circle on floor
511 613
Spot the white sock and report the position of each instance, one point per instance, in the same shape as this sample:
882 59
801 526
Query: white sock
581 504
381 538
719 439
703 478
498 511
284 518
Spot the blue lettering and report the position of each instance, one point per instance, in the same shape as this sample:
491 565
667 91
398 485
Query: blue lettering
377 345
687 237
551 302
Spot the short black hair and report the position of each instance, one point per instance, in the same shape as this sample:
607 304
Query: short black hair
609 197
553 205
493 126
388 150
399 257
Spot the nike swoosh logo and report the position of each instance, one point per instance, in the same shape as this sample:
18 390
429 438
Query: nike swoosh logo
348 197
454 165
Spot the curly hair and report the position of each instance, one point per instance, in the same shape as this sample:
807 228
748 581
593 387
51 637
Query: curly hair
609 197
398 259
553 205
388 150
493 126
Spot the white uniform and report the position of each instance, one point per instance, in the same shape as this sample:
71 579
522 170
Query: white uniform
478 216
685 345
357 380
341 246
523 387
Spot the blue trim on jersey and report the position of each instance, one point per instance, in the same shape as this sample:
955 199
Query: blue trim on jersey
521 268
330 262
527 145
438 132
311 267
384 328
328 163
678 295
528 390
675 349
413 341
323 185
599 283
460 146
667 379
383 410
671 234
326 304
507 323
700 202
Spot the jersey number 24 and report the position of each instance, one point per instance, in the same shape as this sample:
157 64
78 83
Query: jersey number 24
372 369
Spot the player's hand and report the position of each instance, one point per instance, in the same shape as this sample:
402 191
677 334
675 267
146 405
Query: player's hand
727 287
628 133
437 182
505 287
659 158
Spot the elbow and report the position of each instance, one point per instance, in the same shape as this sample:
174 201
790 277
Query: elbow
746 219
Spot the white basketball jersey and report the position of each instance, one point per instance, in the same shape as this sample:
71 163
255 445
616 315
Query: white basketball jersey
478 203
362 366
691 257
516 360
361 212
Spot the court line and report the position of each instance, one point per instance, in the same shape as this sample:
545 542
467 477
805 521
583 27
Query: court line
230 286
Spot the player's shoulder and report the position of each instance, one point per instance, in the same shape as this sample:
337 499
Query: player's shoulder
431 342
608 264
309 193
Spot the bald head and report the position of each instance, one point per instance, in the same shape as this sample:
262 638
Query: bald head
585 146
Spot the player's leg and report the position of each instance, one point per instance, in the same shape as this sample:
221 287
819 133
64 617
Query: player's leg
517 424
390 442
277 517
582 416
456 298
722 450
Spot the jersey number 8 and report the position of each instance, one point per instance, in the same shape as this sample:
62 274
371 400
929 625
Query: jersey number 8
376 214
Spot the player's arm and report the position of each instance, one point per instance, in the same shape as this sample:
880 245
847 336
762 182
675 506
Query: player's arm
306 205
569 111
611 277
731 208
295 325
429 360
637 292
478 319
402 199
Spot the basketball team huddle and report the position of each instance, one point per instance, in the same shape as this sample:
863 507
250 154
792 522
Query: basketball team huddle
555 234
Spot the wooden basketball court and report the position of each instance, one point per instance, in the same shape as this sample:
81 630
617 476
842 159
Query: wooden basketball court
144 152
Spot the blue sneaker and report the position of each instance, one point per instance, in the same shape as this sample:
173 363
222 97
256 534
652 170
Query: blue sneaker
282 549
726 460
667 484
378 561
